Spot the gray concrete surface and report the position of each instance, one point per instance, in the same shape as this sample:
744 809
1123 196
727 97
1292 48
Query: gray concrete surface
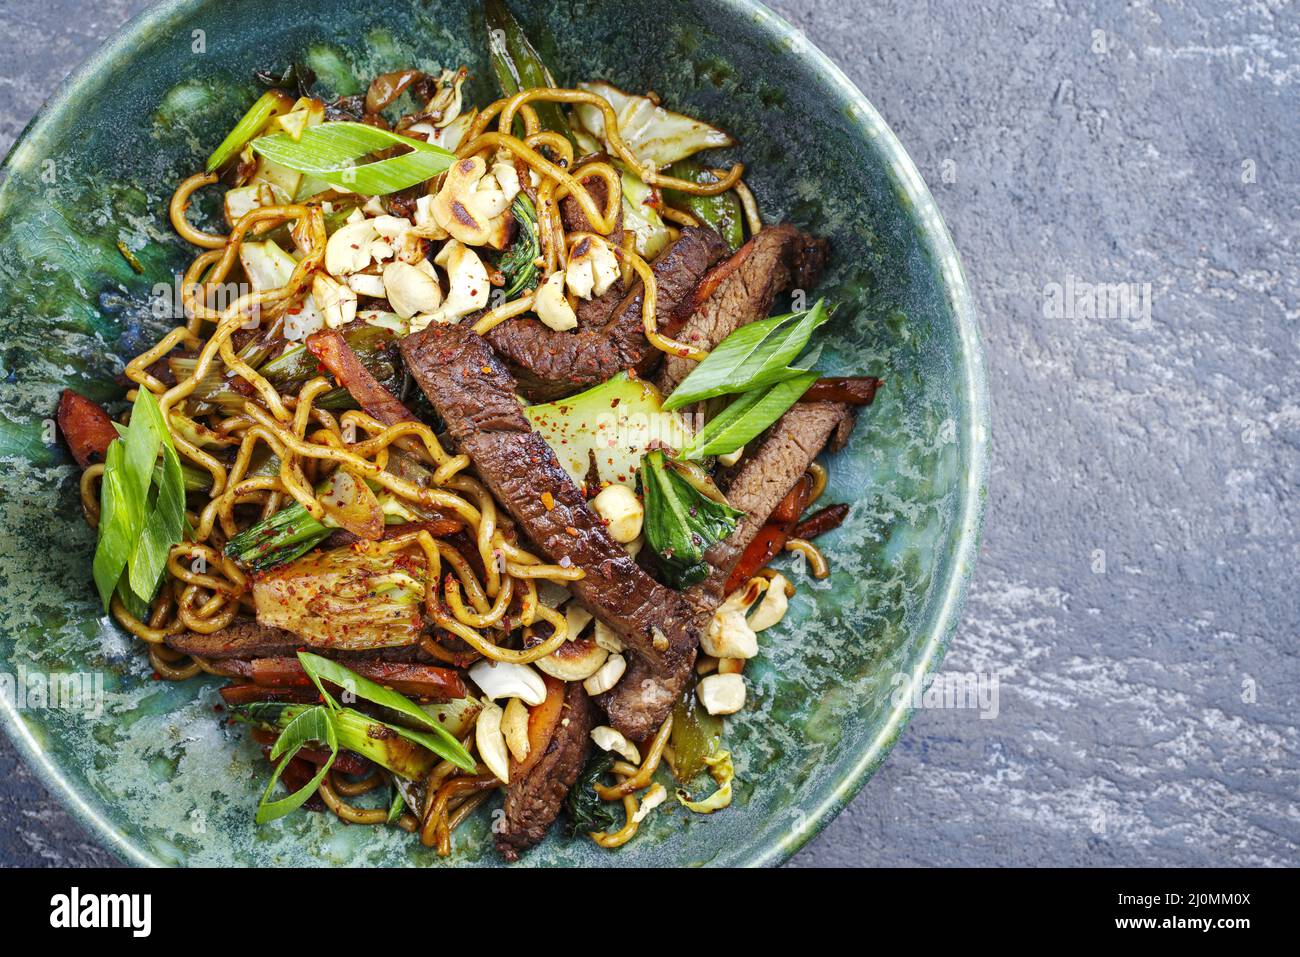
1137 592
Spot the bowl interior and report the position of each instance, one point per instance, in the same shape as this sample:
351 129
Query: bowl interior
154 771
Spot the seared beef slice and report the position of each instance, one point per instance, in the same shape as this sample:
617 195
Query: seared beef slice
550 364
475 396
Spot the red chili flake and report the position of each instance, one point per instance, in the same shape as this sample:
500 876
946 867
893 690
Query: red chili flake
572 531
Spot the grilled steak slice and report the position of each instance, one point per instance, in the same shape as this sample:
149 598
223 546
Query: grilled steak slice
247 639
768 474
740 290
637 704
575 220
475 396
550 364
240 639
533 800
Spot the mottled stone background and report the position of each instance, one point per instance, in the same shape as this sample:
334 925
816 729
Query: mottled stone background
1137 593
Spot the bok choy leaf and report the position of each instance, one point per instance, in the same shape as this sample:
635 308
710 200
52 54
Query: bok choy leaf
519 263
722 211
332 152
279 538
681 523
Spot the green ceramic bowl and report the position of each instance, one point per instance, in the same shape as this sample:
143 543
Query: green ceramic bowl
156 776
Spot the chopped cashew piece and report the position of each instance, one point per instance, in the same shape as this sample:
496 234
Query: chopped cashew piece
729 634
514 728
467 282
608 675
367 284
721 694
622 511
392 228
471 205
610 739
348 250
592 268
551 306
337 302
772 608
577 618
575 660
608 638
731 458
491 742
410 290
653 798
505 679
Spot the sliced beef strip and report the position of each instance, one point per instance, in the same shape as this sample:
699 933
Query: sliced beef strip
240 639
549 364
571 214
637 704
533 801
740 290
475 396
247 638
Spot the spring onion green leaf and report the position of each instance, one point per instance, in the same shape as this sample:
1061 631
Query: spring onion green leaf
356 732
331 152
519 263
165 525
396 808
267 105
436 738
142 508
681 523
312 724
196 479
753 356
747 416
722 212
518 66
118 518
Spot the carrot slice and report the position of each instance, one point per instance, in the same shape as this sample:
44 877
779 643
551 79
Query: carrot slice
791 507
86 427
767 544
